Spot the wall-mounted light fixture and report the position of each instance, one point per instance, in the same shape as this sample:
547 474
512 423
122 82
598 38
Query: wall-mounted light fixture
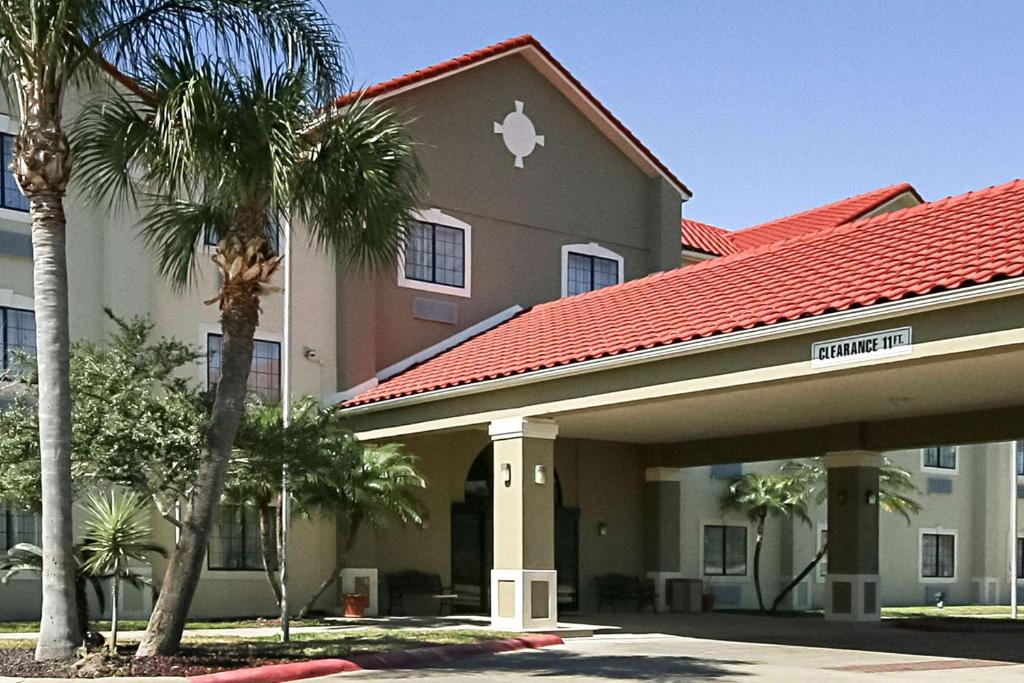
506 473
602 529
540 475
872 497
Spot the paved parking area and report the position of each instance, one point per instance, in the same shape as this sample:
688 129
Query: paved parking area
663 657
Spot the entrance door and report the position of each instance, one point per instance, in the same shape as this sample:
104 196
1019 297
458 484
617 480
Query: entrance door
473 542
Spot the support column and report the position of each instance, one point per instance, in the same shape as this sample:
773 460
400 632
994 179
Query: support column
852 587
524 589
662 537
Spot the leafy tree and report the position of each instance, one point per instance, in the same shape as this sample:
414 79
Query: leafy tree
117 534
45 46
895 486
369 486
759 496
138 423
220 150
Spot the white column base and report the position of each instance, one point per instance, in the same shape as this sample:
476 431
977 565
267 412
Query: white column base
661 587
367 582
519 602
852 597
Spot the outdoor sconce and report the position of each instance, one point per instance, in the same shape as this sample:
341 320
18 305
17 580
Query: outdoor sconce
872 497
540 475
602 529
506 473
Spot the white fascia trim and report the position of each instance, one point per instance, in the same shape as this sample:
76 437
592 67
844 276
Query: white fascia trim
437 217
588 249
426 354
697 255
920 555
523 427
996 290
11 299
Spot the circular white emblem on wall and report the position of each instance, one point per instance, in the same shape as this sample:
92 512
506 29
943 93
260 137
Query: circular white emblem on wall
519 135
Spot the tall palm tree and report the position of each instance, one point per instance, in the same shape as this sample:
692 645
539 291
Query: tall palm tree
116 534
46 45
221 150
759 496
370 486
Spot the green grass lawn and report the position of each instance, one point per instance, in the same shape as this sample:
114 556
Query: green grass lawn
970 611
137 625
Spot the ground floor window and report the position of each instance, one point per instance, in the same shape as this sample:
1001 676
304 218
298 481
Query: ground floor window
235 540
725 550
18 526
1020 558
1020 457
822 542
938 555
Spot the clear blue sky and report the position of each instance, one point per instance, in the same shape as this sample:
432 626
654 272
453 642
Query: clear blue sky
762 108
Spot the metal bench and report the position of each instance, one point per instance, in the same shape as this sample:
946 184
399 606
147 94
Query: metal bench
614 588
411 582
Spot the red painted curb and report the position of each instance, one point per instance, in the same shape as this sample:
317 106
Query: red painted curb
399 659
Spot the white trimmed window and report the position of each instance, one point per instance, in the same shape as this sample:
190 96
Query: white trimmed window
10 196
264 372
822 567
587 267
235 540
437 254
17 333
725 550
938 554
940 459
18 526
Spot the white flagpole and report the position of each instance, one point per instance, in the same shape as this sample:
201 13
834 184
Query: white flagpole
286 419
1013 530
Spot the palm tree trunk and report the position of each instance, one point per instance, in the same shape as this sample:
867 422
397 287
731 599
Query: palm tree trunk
267 527
338 566
59 635
800 577
757 560
163 633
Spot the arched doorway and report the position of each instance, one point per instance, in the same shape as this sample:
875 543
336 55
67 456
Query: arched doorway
473 541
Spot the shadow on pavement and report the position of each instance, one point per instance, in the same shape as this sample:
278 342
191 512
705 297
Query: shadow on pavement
969 641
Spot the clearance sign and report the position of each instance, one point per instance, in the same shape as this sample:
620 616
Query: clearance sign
863 347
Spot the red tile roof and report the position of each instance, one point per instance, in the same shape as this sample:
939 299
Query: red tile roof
955 242
507 46
708 239
828 216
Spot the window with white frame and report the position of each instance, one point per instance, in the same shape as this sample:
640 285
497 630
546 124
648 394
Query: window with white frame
939 458
1020 559
437 256
264 372
235 540
10 196
822 542
18 526
17 333
938 554
588 267
725 550
1019 451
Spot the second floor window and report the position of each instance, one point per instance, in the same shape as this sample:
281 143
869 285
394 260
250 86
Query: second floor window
587 273
725 550
436 254
938 556
18 526
264 373
1019 449
10 196
940 457
235 540
17 333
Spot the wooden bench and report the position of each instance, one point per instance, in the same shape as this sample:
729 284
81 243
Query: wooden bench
411 582
614 588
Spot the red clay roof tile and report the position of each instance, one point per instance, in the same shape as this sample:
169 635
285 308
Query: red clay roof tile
955 242
706 238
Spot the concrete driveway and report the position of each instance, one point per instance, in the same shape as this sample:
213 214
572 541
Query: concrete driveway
663 657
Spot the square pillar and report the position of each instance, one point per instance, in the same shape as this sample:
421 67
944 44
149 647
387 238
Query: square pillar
662 532
524 588
852 587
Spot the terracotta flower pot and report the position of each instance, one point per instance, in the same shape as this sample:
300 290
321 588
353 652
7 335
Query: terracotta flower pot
355 604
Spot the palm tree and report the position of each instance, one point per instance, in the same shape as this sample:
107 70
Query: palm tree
222 151
45 45
895 484
371 486
117 533
759 496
